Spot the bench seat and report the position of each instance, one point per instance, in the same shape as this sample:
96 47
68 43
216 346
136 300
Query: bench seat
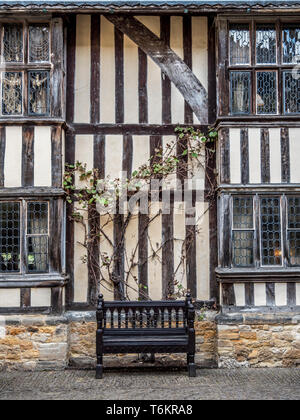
145 327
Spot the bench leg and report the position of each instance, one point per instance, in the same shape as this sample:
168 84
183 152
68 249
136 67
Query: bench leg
99 368
191 365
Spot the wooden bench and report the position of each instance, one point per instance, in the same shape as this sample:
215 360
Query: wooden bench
145 327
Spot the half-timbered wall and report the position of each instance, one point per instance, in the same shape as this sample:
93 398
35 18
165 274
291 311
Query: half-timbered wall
120 107
261 160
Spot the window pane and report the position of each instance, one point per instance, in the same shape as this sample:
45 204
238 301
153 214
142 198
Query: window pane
12 43
240 83
242 248
12 87
266 97
37 249
239 44
38 92
294 247
265 44
38 43
294 212
270 231
290 44
242 213
9 237
37 218
291 86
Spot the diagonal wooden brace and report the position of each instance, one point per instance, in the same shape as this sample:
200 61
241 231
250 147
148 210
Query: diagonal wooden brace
169 62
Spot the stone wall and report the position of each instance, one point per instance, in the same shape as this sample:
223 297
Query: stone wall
258 340
40 342
33 342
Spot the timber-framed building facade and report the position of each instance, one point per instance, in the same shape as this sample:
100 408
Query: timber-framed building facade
106 83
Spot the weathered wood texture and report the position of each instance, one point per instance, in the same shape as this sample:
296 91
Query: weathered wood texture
57 57
173 66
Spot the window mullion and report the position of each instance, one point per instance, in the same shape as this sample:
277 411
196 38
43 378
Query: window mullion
285 254
257 232
23 251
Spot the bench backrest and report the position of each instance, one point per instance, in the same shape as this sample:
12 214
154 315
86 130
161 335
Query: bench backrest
144 314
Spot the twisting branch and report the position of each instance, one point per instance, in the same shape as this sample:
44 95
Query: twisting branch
115 270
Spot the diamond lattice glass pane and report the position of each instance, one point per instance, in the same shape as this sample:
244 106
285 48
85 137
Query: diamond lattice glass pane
240 83
12 86
242 213
38 92
265 44
270 231
12 44
37 258
242 248
38 43
291 45
9 237
239 40
266 97
291 86
294 247
294 212
37 218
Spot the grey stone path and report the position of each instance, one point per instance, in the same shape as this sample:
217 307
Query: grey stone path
217 384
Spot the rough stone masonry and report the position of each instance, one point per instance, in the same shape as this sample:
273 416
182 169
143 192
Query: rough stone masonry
31 342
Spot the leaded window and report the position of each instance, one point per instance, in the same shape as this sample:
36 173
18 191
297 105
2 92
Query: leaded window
25 83
264 70
24 236
242 232
261 225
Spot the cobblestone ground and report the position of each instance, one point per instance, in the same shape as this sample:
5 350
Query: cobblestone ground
217 384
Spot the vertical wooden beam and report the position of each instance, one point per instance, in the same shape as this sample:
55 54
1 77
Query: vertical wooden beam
168 251
25 297
143 93
190 246
249 294
244 156
57 47
119 74
226 228
270 294
187 57
2 154
70 153
127 155
265 156
211 161
223 97
224 145
95 69
285 155
71 51
27 156
166 83
56 300
291 294
228 295
143 256
212 76
93 255
99 154
56 156
55 244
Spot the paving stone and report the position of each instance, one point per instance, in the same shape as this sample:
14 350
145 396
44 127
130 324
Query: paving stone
143 384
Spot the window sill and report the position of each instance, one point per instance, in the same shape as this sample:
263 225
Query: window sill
258 275
8 281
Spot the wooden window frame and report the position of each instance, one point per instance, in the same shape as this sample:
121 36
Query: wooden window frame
55 67
257 264
225 67
56 234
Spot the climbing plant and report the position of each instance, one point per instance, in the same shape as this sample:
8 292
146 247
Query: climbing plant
88 193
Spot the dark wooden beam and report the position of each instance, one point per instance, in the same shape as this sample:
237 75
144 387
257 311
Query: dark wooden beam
57 46
2 154
28 156
173 66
